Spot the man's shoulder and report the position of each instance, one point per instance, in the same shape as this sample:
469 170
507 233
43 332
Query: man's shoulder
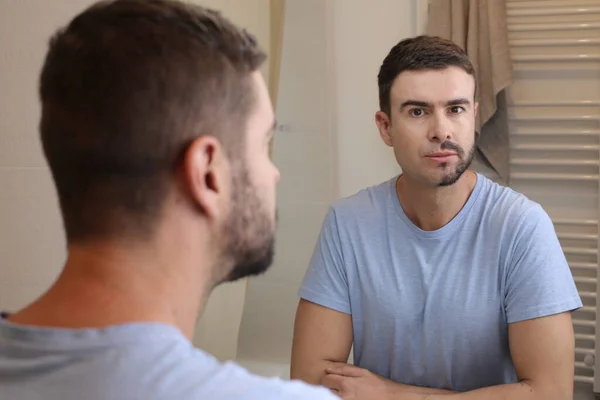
191 373
510 215
506 203
228 381
149 361
365 201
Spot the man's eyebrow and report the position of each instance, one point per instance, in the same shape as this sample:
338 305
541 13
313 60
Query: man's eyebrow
458 102
416 103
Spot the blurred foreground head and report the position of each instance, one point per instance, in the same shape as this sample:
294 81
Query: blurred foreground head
154 113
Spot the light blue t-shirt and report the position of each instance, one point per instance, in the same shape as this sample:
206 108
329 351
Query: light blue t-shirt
126 362
432 308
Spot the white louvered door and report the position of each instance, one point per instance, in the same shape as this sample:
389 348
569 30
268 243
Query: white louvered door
555 141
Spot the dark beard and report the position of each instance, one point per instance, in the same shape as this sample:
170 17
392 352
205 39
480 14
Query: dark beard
452 177
249 231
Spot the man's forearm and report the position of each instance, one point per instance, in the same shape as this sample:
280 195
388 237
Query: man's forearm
351 379
514 391
401 388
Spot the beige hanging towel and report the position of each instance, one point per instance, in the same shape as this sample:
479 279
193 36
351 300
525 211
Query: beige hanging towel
479 27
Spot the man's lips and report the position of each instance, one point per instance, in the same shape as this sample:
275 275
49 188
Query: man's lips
441 156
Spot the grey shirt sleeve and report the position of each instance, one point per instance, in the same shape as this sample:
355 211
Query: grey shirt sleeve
326 282
538 281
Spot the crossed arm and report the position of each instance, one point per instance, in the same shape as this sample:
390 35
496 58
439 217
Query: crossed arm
542 352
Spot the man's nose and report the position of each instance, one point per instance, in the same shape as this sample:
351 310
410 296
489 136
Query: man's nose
440 129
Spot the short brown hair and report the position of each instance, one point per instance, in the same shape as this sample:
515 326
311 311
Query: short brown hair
418 53
125 88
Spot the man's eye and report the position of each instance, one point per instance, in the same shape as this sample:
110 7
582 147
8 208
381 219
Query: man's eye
456 110
417 112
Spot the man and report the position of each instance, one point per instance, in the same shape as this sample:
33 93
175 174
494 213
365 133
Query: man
156 126
447 284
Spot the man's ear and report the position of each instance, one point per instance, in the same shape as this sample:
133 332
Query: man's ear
207 175
383 124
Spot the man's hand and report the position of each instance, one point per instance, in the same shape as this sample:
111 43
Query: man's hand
354 383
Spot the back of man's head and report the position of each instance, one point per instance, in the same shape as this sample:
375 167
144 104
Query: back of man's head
125 87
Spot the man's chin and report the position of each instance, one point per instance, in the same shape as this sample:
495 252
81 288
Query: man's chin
251 265
450 178
247 271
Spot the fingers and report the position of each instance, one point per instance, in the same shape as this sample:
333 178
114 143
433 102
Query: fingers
344 369
333 382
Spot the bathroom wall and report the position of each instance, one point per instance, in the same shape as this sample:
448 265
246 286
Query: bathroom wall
327 147
364 32
31 237
32 248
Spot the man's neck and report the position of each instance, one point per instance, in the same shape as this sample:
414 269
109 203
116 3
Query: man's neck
105 284
431 208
